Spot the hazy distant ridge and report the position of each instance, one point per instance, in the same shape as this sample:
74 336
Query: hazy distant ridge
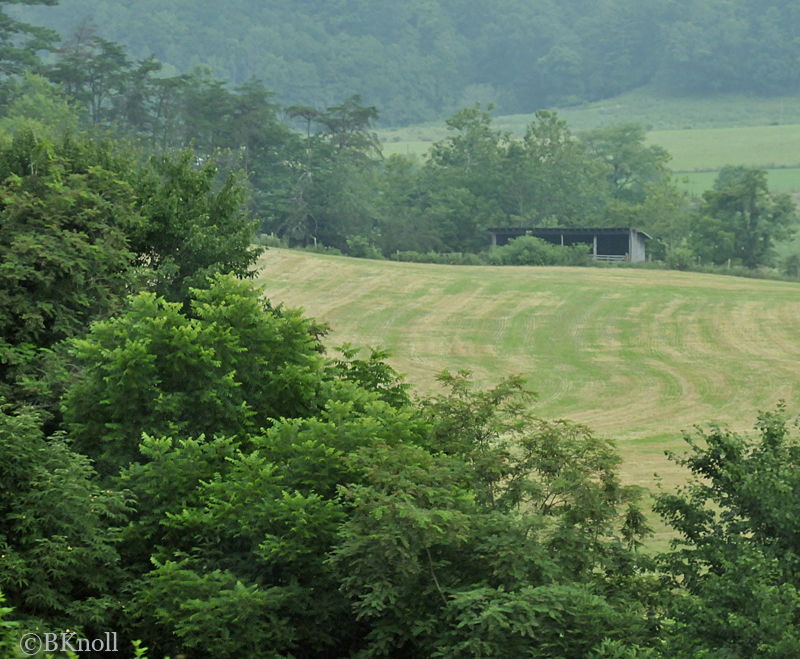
417 60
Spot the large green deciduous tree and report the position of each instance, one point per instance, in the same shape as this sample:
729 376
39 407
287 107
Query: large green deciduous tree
741 202
509 537
735 571
631 164
192 230
461 179
81 221
233 433
67 215
334 189
228 368
547 179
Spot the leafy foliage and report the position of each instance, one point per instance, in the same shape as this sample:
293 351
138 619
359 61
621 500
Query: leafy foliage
735 568
82 226
499 540
754 219
58 530
373 373
32 103
8 629
66 218
192 230
632 165
527 250
229 368
236 514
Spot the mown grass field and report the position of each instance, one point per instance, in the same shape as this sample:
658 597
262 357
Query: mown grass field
637 355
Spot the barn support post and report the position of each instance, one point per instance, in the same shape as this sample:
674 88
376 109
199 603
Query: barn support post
562 239
594 247
494 239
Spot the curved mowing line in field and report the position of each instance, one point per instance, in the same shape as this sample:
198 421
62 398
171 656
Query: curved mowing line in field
634 354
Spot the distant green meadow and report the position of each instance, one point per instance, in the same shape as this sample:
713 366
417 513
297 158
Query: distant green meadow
705 151
780 180
653 109
768 147
703 134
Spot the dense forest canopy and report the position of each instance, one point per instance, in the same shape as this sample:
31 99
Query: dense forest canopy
421 59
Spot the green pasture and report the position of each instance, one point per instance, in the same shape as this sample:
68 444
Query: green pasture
658 110
770 147
650 107
637 355
780 180
755 146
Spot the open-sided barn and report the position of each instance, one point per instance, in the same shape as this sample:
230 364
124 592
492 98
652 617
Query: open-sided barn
614 244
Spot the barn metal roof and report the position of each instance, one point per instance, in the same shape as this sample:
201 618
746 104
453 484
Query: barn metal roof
556 231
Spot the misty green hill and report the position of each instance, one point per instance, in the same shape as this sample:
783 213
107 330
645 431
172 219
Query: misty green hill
418 60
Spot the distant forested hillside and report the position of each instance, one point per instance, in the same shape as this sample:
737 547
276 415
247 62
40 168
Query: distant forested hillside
419 59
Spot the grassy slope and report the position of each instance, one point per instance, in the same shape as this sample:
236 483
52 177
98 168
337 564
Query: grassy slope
637 355
649 107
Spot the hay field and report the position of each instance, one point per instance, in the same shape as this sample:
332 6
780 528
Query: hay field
638 355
